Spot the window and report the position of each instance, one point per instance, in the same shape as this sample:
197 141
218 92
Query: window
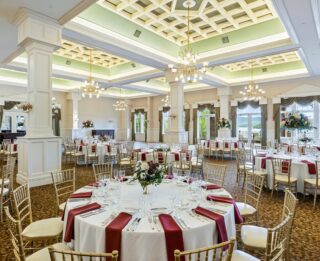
204 124
165 122
311 111
249 124
139 123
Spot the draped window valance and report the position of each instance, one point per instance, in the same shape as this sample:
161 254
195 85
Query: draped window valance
202 107
166 108
299 100
137 111
253 104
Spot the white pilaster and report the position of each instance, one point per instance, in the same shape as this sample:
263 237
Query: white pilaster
176 133
75 97
224 100
39 151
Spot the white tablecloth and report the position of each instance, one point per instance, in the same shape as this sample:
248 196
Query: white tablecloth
298 169
146 244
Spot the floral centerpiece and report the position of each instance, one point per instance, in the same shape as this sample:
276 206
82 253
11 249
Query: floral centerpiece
27 106
148 174
87 124
296 120
224 123
103 137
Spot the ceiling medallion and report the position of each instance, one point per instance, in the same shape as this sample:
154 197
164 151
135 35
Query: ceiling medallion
187 69
120 105
252 92
91 87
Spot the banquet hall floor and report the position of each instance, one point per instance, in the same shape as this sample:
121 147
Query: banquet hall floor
305 244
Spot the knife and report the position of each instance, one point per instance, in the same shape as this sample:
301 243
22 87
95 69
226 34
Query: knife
131 224
136 224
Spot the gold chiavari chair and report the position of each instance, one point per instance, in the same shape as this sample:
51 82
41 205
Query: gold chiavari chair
184 164
64 185
242 166
6 186
312 185
19 246
281 175
57 254
252 195
226 149
256 238
197 161
44 229
207 253
215 149
102 171
92 155
215 173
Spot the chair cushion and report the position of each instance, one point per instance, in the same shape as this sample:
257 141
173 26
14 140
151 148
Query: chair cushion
43 254
62 206
311 181
258 172
239 255
245 209
254 236
43 228
5 191
284 179
246 166
5 182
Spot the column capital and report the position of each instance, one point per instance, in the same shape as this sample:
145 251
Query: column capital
37 27
171 79
224 91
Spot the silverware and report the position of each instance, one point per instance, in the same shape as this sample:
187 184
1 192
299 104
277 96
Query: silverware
155 220
131 224
178 222
77 199
219 211
92 213
136 224
200 217
108 219
183 222
150 220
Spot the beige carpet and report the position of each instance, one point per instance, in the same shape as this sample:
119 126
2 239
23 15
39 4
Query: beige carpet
305 245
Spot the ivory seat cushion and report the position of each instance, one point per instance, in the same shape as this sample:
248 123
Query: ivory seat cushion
245 209
254 236
43 228
5 182
62 206
43 254
258 172
284 179
5 191
239 255
310 181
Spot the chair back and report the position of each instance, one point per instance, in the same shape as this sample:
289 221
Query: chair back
253 189
289 204
56 254
102 171
64 184
22 204
317 174
277 240
281 167
15 231
207 253
215 173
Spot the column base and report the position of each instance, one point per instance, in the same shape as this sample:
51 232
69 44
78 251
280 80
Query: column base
37 157
176 137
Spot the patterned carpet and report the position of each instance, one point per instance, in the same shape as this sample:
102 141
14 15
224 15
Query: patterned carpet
305 244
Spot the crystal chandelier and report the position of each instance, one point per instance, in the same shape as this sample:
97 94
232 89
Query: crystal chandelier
91 87
165 100
120 105
187 69
252 92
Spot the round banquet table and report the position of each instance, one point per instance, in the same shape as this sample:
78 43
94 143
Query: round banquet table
145 243
299 169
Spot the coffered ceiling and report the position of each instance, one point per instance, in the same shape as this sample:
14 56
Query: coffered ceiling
209 18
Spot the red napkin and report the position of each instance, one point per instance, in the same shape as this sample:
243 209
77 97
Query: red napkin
221 226
81 142
109 148
210 186
143 156
238 218
113 233
235 145
93 148
168 176
15 146
189 180
217 144
176 156
173 235
80 148
311 167
318 148
81 195
285 166
69 232
264 162
160 157
226 145
208 143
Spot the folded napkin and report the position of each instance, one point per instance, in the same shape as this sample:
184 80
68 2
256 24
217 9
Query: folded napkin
69 231
318 148
188 180
208 143
226 145
113 233
160 157
264 162
93 148
220 223
235 145
285 166
173 235
143 156
109 148
176 156
311 167
168 176
237 217
211 186
217 144
15 147
81 195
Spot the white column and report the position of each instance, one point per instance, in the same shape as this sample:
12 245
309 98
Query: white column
124 124
224 99
39 151
75 97
176 133
150 123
